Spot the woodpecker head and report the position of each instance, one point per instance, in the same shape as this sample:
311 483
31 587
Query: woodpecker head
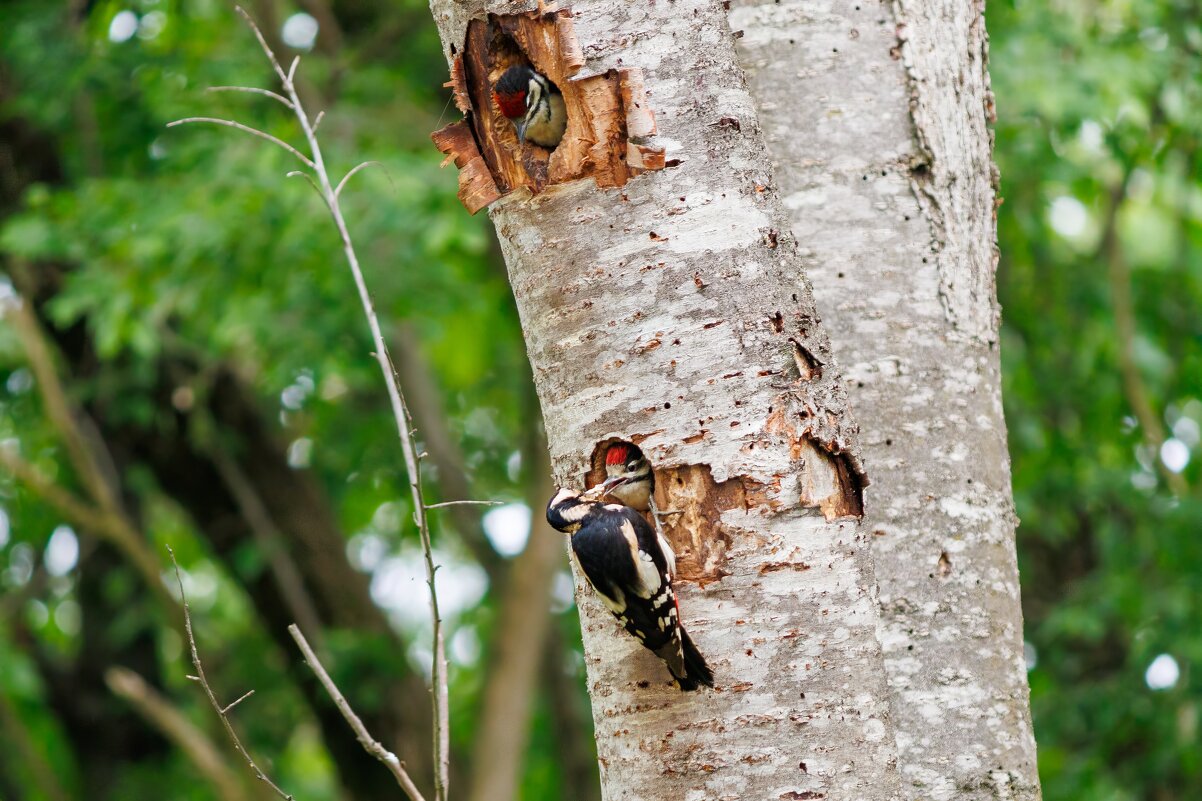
629 478
532 104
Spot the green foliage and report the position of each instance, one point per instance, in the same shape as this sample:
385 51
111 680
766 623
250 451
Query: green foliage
1088 92
192 239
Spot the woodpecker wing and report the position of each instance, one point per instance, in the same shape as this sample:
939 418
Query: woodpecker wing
624 561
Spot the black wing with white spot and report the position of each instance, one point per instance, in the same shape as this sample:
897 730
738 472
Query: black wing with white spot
631 569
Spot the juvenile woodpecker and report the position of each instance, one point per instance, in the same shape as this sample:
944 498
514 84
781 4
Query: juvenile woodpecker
626 461
630 567
532 104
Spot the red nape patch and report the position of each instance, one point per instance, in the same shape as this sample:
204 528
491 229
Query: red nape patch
511 105
616 454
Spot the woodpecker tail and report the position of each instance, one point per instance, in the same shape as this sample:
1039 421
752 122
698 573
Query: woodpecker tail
695 671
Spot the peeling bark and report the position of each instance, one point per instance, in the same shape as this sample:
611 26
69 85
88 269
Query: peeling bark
608 112
877 121
670 312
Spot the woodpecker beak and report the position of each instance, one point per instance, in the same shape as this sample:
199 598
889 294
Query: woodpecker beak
521 126
604 488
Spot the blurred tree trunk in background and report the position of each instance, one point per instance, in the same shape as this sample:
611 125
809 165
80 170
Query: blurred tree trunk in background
883 154
673 312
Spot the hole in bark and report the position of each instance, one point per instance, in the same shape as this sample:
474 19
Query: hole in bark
808 367
608 117
945 565
691 504
778 322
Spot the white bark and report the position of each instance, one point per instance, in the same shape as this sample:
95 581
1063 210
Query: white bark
883 157
667 311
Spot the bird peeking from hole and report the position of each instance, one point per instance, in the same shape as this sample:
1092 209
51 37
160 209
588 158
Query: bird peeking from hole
533 105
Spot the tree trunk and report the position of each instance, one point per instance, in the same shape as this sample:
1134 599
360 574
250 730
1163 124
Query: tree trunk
672 312
883 155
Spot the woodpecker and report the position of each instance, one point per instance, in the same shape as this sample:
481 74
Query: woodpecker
624 460
533 105
630 567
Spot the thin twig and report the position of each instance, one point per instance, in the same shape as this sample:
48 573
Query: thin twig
464 503
231 124
252 90
204 683
233 704
400 413
321 115
176 727
399 410
355 169
369 743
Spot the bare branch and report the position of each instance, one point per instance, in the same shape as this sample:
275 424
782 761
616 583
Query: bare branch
262 135
252 90
175 726
58 407
103 524
321 115
307 177
204 683
400 411
275 64
464 503
241 698
355 169
369 743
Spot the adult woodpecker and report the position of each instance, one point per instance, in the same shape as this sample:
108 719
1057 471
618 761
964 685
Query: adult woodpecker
630 567
532 104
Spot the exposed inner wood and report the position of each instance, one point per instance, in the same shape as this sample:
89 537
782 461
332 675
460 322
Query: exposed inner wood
608 114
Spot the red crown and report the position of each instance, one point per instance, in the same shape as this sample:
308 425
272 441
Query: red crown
512 104
616 454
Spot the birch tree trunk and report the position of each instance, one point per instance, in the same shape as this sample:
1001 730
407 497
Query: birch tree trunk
672 311
883 154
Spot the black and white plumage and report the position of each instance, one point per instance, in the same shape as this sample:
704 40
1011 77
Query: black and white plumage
631 567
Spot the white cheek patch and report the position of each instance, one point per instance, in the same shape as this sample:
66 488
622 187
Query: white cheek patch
575 513
562 496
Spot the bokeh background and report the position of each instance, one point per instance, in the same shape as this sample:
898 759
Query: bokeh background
186 250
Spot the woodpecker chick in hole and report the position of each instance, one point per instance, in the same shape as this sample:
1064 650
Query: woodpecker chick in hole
626 461
533 105
630 567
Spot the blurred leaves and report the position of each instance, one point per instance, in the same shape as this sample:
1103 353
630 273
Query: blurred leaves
1088 92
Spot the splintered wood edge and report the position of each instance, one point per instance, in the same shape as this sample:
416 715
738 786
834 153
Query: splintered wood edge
456 141
640 120
570 53
458 86
477 188
644 157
